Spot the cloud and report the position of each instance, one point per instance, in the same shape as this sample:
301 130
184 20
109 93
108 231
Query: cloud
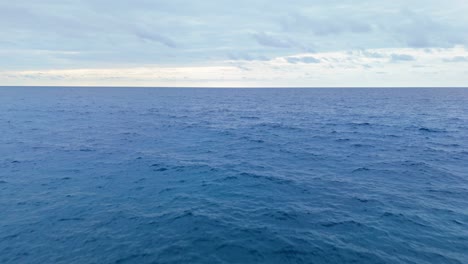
421 30
89 34
269 40
457 59
374 55
300 70
246 57
151 36
306 60
401 57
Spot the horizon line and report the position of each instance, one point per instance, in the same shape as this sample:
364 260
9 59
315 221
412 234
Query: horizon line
237 87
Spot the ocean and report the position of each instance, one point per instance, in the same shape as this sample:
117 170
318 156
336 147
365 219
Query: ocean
153 175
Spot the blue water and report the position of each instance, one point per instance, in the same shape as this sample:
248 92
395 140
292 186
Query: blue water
126 175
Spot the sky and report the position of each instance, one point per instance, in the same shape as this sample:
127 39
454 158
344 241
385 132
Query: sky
242 43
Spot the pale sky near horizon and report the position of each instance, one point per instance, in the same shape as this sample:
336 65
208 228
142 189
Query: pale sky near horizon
243 43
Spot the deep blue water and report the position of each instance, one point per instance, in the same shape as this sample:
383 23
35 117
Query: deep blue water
125 175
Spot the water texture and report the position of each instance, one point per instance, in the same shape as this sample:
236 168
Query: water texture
126 175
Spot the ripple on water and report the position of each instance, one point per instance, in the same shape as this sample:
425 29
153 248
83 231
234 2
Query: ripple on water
230 176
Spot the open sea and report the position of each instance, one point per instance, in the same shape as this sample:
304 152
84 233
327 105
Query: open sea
141 175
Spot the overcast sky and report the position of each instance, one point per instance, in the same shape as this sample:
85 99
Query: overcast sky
234 43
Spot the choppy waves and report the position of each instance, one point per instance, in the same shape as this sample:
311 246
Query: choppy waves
226 176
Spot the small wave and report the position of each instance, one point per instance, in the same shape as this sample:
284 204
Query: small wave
358 145
250 117
403 218
158 167
268 178
451 145
165 190
360 124
228 178
362 200
71 219
140 180
341 223
343 140
86 150
445 192
281 215
252 140
431 130
276 126
362 169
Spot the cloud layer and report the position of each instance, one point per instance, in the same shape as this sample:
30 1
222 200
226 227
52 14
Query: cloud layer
407 67
233 40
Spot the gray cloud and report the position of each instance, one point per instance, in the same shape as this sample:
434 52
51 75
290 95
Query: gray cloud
401 57
269 40
421 30
157 38
182 32
374 55
246 57
306 60
457 59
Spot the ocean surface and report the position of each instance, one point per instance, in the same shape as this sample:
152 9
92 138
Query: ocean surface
141 175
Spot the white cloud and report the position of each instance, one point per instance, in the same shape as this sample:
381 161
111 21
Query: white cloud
343 69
